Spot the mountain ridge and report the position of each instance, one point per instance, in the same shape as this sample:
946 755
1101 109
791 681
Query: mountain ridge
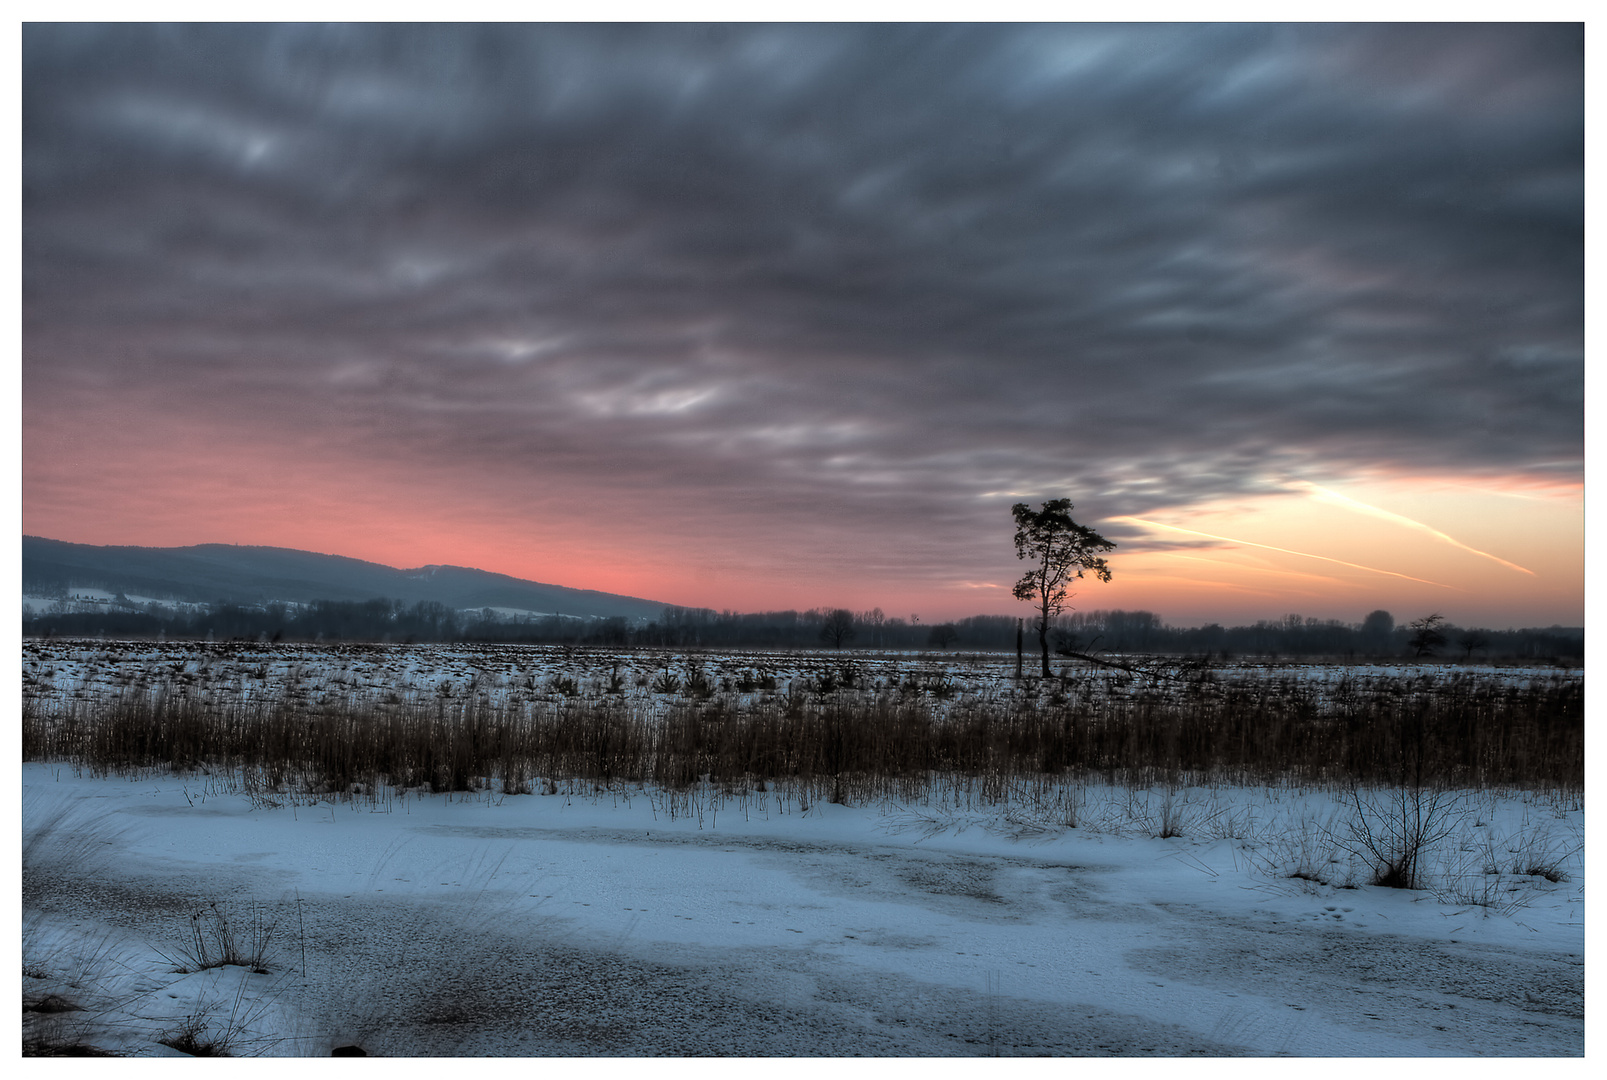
259 574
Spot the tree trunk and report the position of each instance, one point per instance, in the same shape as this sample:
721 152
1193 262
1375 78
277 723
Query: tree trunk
1018 649
1043 641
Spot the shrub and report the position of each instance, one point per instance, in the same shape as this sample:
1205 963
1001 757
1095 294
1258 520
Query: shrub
1393 829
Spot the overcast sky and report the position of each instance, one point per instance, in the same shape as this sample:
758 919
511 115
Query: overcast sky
786 316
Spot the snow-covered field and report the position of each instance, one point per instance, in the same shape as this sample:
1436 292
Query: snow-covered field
624 923
100 600
747 916
63 668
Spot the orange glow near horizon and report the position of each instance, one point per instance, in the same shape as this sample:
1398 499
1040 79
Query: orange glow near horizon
1400 543
1284 551
1402 519
1409 545
621 309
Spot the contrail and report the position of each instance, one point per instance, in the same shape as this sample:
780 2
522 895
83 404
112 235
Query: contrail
1362 508
1256 569
1286 551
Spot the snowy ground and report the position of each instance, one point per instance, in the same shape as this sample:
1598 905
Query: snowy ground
99 600
563 925
61 669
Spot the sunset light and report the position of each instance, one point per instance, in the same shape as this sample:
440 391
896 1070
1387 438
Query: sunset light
1304 543
788 316
803 539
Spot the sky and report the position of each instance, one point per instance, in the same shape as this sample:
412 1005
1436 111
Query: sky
785 316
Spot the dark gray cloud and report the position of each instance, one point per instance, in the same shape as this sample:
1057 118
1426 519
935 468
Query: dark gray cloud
876 272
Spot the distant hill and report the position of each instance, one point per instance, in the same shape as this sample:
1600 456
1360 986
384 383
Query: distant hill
206 573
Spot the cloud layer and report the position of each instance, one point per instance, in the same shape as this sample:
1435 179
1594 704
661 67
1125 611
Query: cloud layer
806 291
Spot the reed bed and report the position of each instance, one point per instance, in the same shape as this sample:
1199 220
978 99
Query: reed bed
830 736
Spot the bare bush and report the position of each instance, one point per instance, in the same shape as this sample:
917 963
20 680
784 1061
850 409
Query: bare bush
1392 829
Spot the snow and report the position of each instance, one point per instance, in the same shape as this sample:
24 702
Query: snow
630 922
65 667
515 613
100 600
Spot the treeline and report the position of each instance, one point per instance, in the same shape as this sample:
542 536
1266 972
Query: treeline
322 620
1139 632
1102 632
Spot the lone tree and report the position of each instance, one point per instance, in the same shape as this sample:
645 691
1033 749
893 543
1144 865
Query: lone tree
838 628
1061 551
1426 635
943 635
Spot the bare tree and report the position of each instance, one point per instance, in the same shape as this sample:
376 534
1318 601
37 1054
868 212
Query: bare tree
1469 640
1426 635
1060 551
877 619
943 635
838 628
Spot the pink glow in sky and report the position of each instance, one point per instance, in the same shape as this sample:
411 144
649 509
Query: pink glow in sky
782 317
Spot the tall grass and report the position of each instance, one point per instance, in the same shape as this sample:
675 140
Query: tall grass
892 740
